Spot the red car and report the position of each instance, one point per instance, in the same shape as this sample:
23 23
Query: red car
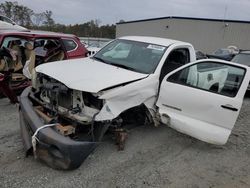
37 47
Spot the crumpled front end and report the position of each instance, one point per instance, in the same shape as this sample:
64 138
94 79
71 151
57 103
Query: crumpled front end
78 120
57 146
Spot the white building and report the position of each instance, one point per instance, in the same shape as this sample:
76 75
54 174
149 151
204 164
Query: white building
206 35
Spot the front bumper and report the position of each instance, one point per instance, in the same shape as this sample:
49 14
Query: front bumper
54 149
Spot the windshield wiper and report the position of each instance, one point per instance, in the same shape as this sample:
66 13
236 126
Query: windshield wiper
99 59
123 66
115 64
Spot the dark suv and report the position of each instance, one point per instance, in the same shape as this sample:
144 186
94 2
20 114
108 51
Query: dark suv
243 57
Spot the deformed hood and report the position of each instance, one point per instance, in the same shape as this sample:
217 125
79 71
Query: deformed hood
87 74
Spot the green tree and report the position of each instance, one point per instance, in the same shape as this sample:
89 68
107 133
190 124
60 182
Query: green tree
7 8
48 18
23 15
38 18
18 13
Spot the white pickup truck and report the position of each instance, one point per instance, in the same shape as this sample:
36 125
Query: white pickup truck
152 81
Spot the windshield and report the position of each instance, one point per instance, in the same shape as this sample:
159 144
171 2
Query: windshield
96 44
222 52
243 59
136 56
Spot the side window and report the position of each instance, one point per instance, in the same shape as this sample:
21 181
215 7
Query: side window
210 76
175 59
9 42
48 50
17 45
69 44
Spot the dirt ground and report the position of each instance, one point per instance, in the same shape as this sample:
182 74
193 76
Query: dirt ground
153 157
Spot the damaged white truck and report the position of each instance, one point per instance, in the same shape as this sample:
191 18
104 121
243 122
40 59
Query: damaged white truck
145 80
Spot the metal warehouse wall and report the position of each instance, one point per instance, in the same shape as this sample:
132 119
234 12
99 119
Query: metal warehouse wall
205 35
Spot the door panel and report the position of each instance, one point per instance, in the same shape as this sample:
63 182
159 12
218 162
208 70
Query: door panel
203 99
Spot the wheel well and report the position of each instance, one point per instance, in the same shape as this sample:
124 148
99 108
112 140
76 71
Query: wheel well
138 114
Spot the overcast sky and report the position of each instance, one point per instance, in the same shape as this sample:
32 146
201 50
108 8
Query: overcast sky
111 11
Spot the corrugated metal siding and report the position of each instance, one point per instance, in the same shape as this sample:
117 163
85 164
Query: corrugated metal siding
206 36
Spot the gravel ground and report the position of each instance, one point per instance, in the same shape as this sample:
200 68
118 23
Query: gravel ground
153 157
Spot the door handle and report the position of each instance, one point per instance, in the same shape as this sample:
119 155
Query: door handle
229 107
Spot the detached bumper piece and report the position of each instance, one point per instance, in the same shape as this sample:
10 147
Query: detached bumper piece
56 150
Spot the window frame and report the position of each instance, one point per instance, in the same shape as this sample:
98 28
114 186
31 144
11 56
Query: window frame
69 40
50 38
231 96
166 61
14 36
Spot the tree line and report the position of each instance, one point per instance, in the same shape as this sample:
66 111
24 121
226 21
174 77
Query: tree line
26 17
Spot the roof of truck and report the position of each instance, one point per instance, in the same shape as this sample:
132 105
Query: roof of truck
153 40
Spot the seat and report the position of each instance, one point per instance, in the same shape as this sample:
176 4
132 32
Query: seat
2 65
214 88
30 59
58 56
6 64
18 63
174 61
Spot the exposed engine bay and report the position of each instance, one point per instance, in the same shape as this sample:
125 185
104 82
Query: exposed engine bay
75 111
